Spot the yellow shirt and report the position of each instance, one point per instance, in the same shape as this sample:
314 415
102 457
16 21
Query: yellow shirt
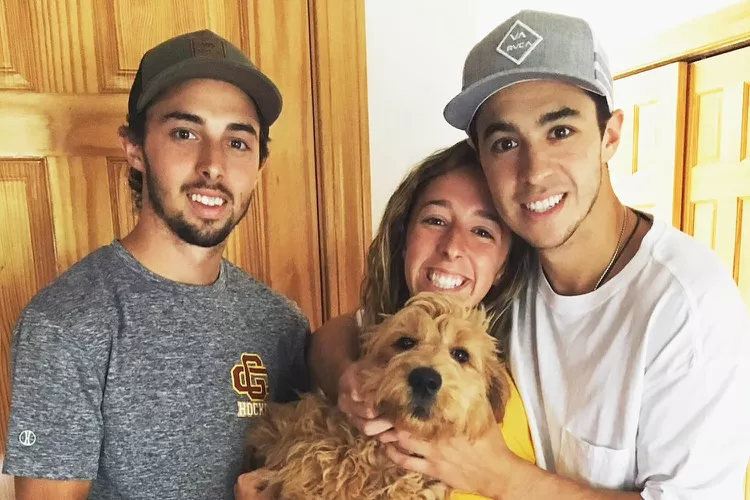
515 431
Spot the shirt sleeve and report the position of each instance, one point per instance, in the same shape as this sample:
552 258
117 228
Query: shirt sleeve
694 431
55 426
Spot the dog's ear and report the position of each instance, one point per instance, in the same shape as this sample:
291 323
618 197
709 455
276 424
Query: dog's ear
498 389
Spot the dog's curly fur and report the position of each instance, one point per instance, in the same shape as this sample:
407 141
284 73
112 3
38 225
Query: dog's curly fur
312 451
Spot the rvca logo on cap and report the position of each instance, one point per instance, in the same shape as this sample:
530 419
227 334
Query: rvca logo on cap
519 42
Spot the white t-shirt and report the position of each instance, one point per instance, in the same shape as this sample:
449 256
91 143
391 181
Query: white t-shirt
643 384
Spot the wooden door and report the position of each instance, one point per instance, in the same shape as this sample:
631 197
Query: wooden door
718 168
65 69
647 170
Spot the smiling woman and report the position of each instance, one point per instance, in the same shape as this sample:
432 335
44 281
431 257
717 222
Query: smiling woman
440 232
454 242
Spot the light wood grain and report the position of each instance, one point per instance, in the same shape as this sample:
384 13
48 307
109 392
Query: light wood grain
342 148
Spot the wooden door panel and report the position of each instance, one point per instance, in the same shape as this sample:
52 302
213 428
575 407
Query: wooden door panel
127 28
718 170
79 193
284 224
647 169
17 68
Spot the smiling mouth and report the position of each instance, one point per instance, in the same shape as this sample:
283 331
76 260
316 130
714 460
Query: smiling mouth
544 205
445 281
208 201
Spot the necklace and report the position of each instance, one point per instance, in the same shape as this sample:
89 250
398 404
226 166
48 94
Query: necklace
617 248
627 242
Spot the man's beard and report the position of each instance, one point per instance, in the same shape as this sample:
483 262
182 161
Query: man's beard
205 237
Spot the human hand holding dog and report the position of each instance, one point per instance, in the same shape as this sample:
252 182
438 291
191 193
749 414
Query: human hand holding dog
358 406
478 467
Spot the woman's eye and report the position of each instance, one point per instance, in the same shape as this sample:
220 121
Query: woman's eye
483 233
433 221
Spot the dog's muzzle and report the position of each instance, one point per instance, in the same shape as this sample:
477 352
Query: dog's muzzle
425 383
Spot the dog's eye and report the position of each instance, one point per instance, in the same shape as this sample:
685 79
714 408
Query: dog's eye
404 343
460 355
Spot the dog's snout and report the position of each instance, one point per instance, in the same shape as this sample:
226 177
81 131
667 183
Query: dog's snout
425 382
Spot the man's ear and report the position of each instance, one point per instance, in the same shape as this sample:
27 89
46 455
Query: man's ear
612 135
133 153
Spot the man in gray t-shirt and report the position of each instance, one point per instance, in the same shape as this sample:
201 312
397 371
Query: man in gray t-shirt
137 372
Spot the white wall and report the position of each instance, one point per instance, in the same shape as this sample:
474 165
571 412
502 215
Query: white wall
416 51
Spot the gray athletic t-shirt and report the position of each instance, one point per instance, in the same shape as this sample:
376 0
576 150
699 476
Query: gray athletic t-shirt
144 385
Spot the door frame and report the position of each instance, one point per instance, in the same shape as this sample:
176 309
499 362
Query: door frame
342 153
721 31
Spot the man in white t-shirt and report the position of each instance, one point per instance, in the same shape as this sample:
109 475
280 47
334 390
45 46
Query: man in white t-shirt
631 346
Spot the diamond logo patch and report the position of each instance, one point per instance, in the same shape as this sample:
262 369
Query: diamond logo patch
519 42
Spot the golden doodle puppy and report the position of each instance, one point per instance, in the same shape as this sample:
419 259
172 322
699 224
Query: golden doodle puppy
436 373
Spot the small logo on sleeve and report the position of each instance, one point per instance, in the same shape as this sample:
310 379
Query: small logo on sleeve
250 379
27 438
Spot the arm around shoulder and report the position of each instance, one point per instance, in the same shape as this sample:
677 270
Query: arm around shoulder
334 346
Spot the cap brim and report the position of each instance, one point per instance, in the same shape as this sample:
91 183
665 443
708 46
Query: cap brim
460 111
256 85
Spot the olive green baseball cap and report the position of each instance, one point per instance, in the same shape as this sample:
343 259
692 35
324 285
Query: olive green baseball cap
201 54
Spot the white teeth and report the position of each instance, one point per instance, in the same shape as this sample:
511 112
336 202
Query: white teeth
445 281
211 201
544 205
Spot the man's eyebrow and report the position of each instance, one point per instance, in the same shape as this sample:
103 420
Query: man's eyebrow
243 127
189 117
500 126
553 116
181 115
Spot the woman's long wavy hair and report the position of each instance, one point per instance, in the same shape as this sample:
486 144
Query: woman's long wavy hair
384 290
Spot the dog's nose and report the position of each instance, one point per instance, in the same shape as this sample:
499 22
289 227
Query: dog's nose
425 382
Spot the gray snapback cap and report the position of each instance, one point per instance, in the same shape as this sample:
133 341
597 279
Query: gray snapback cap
531 45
